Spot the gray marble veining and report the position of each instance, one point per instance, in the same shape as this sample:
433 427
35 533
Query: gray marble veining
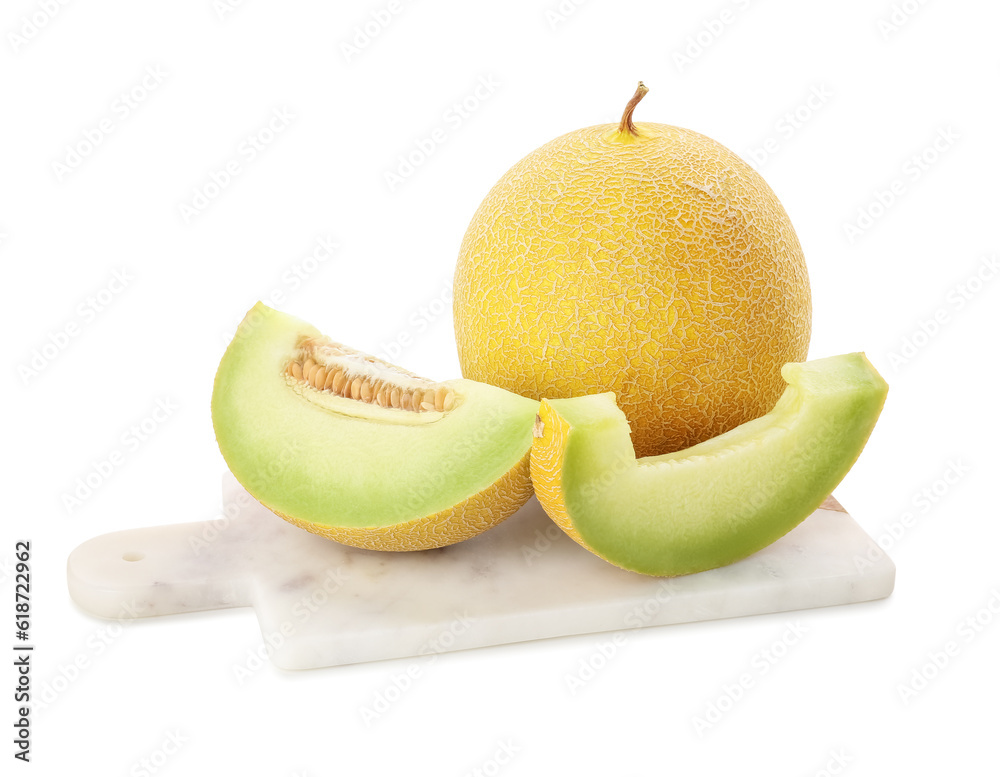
324 604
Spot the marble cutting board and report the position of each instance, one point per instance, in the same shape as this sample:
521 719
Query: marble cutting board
324 604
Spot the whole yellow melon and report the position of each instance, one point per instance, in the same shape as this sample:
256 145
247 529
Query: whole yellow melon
642 259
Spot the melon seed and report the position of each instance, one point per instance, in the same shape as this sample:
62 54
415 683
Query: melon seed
371 390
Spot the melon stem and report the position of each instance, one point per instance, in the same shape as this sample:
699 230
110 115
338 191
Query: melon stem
626 124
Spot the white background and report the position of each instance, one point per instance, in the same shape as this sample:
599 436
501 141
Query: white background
892 81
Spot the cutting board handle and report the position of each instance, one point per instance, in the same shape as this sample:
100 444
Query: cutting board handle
158 570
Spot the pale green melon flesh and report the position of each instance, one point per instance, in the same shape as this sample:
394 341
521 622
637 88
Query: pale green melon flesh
301 457
726 498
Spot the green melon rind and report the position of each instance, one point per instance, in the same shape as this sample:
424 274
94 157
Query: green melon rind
323 467
724 499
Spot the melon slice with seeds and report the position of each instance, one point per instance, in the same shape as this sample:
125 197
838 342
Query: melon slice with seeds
353 448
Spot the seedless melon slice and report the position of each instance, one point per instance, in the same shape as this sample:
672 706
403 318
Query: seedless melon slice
716 502
355 449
